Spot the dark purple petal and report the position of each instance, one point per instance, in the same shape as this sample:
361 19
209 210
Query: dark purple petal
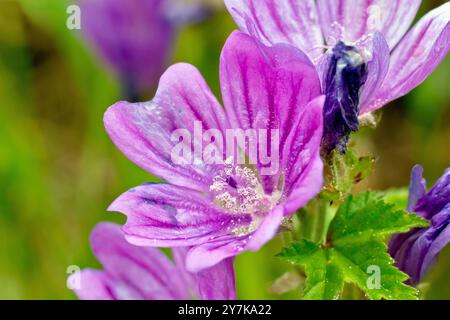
144 131
441 238
361 17
346 75
134 37
436 199
417 187
280 21
162 215
416 56
416 251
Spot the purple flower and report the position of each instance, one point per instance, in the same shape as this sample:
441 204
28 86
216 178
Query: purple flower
135 37
373 60
416 251
138 273
222 209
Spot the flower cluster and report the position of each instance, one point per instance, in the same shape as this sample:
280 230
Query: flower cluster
303 72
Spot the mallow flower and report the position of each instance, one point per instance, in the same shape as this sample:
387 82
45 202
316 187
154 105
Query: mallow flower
140 273
135 37
363 50
234 173
416 251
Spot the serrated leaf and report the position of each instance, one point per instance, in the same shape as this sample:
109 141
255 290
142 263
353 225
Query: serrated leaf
355 245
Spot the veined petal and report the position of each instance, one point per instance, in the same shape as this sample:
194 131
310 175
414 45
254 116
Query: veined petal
378 68
161 215
280 21
213 252
267 230
218 282
303 165
215 283
361 17
416 56
135 271
144 132
94 285
266 88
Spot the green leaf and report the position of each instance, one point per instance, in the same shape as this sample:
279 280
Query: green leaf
345 171
354 249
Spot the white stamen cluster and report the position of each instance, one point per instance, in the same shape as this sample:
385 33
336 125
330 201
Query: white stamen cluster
244 194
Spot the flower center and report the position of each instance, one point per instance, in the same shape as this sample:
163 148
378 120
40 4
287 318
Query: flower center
238 190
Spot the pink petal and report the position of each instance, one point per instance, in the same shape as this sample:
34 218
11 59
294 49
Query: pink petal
213 252
161 215
209 254
143 131
416 56
267 230
266 88
215 283
141 58
360 17
129 272
218 282
378 68
303 166
93 285
280 21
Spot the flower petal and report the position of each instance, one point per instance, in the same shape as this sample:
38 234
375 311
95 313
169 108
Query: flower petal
161 215
144 131
360 17
436 199
215 283
213 252
417 187
266 88
441 239
377 69
146 272
93 285
304 167
267 230
280 21
221 248
416 56
140 59
218 282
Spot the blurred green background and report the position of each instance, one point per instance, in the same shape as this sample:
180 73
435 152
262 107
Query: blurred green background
59 171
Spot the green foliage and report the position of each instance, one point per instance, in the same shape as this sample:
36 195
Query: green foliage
356 243
345 170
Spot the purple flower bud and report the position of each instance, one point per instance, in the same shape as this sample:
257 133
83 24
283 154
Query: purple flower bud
416 251
347 73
